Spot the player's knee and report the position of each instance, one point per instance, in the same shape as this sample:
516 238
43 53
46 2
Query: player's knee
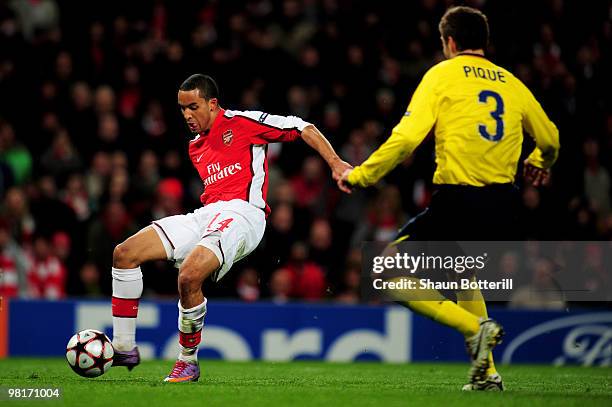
190 278
125 257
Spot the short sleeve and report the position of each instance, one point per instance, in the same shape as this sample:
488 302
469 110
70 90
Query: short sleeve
266 128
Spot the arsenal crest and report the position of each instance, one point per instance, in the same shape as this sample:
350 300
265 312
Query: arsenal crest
227 137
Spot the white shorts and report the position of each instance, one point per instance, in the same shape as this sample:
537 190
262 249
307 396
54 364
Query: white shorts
230 229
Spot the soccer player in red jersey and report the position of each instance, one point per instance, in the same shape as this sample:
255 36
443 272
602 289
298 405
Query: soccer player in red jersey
228 150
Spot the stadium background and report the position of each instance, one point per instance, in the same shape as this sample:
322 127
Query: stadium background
92 144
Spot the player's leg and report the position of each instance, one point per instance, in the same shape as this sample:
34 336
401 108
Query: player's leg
494 218
199 264
473 302
481 334
168 238
233 231
143 246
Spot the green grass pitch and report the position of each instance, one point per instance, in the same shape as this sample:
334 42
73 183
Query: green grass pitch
308 384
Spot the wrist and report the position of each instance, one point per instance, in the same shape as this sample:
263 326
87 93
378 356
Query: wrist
333 160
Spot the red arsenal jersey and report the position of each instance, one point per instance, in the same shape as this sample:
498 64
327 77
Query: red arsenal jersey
231 156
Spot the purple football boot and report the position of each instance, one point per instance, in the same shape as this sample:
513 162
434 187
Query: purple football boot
184 372
129 359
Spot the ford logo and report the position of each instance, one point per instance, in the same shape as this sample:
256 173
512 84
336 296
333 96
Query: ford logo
588 341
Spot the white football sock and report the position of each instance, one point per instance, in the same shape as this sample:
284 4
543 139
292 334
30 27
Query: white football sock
190 323
127 289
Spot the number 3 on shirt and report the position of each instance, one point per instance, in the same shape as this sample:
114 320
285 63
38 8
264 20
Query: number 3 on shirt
496 114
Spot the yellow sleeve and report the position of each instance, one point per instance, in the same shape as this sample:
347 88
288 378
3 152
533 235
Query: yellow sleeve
544 132
405 137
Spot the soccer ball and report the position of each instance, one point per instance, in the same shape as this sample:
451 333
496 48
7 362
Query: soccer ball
90 353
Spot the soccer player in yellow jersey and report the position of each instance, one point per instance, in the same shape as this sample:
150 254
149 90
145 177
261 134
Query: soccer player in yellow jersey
478 111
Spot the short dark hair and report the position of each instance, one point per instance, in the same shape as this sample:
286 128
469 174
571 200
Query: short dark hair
468 27
206 86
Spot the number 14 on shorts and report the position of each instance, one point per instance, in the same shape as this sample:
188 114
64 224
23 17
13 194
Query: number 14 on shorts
218 225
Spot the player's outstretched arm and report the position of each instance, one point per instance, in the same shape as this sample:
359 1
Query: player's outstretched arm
406 136
315 139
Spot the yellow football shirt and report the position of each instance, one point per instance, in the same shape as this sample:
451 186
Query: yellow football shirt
479 111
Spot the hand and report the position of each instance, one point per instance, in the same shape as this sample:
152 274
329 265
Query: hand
338 167
534 175
343 183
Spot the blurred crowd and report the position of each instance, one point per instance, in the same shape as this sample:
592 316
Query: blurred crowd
92 144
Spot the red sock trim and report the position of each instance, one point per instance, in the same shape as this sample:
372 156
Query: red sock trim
125 307
190 340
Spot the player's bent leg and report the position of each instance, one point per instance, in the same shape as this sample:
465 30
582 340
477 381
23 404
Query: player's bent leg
127 288
199 264
480 336
146 245
234 230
